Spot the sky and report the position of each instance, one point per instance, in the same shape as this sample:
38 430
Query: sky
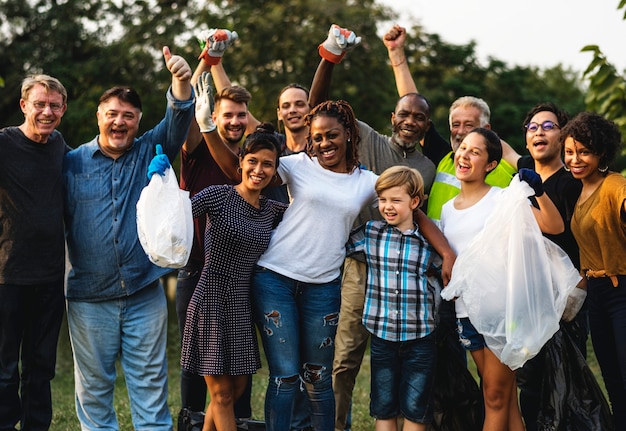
539 33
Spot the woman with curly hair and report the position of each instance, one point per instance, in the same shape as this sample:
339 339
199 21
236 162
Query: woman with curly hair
296 286
599 225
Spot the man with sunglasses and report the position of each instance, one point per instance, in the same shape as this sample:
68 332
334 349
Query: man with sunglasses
32 256
542 129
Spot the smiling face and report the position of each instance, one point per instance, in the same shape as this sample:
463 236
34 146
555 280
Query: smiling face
231 120
471 159
118 122
463 119
257 169
328 138
43 110
396 206
411 119
581 161
544 145
293 105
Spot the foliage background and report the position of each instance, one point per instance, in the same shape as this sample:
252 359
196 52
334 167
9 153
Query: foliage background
91 45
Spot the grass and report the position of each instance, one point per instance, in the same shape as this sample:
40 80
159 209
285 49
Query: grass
64 414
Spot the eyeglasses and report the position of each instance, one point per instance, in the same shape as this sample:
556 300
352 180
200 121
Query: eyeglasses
54 107
546 125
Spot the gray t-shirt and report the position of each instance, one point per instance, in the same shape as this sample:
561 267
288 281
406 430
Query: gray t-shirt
378 152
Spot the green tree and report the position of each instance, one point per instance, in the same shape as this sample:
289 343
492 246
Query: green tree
606 94
278 45
90 45
444 72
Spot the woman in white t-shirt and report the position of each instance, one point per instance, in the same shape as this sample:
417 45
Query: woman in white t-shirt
461 219
296 285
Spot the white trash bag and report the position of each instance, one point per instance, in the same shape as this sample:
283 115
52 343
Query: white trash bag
165 221
514 282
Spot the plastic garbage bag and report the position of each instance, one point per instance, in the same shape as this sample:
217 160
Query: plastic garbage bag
514 282
457 398
165 221
571 398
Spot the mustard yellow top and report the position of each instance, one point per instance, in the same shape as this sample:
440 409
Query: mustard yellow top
599 226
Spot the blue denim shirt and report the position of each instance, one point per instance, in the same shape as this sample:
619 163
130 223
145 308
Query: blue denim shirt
101 195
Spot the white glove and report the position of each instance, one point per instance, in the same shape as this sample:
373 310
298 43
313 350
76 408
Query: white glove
575 301
339 41
214 42
204 103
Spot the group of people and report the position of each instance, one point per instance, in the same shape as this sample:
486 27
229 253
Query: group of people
314 235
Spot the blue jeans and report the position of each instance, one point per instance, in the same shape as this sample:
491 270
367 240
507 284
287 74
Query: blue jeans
30 321
607 321
297 322
134 329
403 375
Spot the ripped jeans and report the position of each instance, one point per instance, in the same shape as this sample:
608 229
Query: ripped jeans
297 322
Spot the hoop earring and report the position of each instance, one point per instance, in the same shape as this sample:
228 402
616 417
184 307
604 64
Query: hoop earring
604 169
566 168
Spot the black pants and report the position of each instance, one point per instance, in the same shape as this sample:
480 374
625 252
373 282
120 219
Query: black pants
30 321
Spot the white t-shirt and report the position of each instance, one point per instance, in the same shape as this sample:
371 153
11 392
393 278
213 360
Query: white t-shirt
460 226
309 244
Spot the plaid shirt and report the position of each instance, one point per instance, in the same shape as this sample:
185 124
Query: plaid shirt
399 302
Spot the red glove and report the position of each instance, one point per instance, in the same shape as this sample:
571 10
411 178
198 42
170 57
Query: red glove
214 42
339 41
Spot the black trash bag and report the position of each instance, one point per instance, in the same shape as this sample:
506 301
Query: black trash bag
190 421
571 399
458 400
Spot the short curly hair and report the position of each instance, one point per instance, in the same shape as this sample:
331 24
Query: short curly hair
601 136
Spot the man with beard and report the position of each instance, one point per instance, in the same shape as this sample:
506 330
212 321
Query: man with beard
116 307
414 140
466 113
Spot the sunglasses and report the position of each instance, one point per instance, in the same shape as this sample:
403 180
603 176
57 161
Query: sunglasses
546 125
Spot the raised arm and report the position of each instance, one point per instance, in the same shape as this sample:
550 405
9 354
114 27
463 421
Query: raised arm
394 40
332 51
181 74
226 159
214 56
194 137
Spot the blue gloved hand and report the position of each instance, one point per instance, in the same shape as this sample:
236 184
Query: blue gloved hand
159 163
533 179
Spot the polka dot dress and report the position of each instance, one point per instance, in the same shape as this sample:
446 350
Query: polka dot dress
219 337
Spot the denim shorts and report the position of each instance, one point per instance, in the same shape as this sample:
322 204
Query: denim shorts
468 335
403 376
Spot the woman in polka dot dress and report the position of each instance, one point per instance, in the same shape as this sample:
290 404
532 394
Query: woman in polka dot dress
219 340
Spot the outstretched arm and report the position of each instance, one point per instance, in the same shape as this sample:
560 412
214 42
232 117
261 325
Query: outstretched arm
394 40
439 242
547 215
194 137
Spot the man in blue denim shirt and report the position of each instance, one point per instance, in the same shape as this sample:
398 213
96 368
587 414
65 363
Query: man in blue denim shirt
115 305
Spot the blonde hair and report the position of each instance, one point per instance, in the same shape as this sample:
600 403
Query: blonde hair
47 81
402 176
